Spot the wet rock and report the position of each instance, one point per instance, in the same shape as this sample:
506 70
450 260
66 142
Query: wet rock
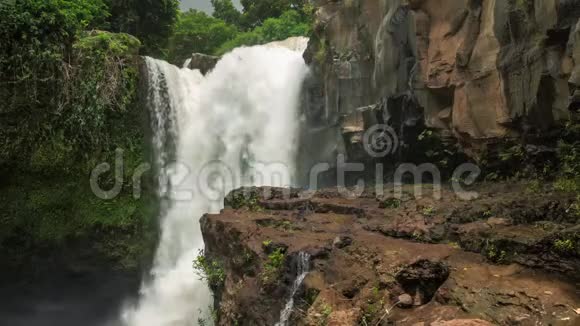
205 63
422 279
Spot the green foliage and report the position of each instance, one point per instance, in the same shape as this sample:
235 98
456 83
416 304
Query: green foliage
432 147
326 311
61 84
195 31
569 174
322 52
104 79
209 270
226 11
564 246
575 207
150 21
249 201
266 243
428 211
212 319
494 254
567 185
534 187
261 21
391 203
68 100
49 213
256 12
273 267
289 24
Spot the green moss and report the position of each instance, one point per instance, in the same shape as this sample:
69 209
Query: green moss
321 53
429 211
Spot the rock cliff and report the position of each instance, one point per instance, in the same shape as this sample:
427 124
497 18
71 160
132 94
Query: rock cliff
379 260
475 71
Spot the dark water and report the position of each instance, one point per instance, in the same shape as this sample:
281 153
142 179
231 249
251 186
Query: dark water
71 302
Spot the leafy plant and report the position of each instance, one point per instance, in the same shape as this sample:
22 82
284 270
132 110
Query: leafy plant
391 203
429 211
242 200
494 254
209 270
564 246
196 31
289 24
273 267
326 311
534 186
266 243
152 22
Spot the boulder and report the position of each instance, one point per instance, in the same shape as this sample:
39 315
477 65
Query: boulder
203 62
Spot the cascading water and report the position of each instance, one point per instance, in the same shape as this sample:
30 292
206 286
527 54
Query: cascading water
236 126
303 269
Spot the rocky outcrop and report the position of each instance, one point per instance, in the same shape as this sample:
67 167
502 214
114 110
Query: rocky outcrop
477 71
404 260
205 63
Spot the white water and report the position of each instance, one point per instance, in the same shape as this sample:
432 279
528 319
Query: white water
303 269
236 126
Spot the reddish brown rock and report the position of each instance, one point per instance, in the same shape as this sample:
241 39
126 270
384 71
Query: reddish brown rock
482 70
450 264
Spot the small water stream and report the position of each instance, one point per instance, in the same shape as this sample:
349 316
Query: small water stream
303 267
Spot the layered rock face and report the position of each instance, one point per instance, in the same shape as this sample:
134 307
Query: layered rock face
478 71
384 259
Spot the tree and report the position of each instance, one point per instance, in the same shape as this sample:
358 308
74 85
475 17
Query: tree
225 10
151 21
290 23
195 31
257 11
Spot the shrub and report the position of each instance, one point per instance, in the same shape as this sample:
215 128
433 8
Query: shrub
273 267
209 270
564 246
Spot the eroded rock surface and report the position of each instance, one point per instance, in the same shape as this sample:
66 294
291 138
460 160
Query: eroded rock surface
410 260
476 70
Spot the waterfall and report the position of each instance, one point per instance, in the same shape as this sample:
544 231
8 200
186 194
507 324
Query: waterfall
237 126
303 269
